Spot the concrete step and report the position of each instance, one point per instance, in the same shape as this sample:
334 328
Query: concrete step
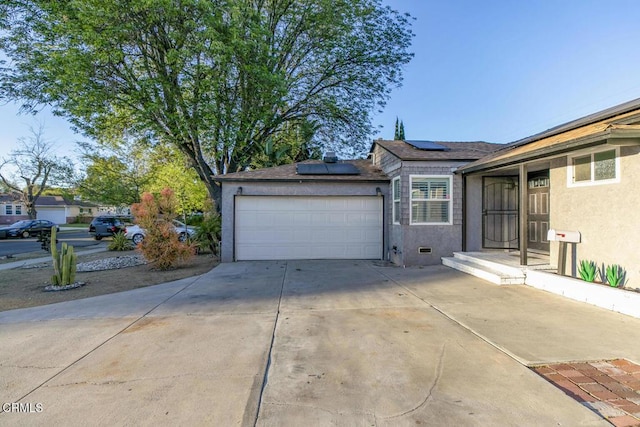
491 265
484 272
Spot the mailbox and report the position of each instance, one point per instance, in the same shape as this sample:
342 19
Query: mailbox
563 236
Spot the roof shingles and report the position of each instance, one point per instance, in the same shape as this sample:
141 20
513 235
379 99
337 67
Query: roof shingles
368 172
455 150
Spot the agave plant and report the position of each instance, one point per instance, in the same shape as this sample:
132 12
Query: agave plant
615 275
588 270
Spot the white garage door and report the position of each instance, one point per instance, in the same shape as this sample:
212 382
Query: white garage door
308 228
57 216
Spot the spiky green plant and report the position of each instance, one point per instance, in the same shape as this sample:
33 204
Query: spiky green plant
120 243
588 270
64 262
615 275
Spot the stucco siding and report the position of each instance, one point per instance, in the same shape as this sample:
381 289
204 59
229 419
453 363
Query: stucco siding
606 215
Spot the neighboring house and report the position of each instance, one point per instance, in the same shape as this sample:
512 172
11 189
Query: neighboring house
425 204
53 208
580 176
11 210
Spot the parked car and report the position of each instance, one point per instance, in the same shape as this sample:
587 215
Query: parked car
108 225
27 228
136 234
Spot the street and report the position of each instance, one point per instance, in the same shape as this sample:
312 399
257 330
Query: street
76 238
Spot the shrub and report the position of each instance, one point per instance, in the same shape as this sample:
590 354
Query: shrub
587 270
208 232
120 243
615 275
161 246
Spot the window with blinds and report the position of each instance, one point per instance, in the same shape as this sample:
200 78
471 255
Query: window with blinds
430 200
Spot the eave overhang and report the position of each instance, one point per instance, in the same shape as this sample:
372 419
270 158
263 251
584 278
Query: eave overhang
615 135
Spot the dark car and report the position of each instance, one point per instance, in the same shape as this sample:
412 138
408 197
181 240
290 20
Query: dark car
107 225
27 228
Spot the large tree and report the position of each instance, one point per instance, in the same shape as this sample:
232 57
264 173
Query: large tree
114 174
32 167
215 78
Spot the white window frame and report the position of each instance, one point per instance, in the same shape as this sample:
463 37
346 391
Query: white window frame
8 209
449 200
592 152
18 209
396 200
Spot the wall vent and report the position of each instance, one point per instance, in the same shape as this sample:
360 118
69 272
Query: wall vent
422 250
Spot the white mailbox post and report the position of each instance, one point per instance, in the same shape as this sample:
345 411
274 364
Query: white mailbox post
563 237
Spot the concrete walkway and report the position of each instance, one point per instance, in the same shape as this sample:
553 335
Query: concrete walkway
305 343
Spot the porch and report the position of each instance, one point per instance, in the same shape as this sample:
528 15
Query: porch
501 267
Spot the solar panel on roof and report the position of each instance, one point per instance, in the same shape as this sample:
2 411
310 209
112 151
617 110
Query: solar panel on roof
326 169
427 145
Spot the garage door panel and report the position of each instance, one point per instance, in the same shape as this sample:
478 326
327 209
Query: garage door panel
308 228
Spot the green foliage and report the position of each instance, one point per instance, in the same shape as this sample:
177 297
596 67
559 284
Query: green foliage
120 243
208 232
169 168
214 79
615 275
399 131
587 270
115 172
64 263
161 246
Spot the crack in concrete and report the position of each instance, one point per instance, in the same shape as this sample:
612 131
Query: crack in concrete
30 367
167 377
438 374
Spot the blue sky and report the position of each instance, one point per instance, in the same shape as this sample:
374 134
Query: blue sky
495 71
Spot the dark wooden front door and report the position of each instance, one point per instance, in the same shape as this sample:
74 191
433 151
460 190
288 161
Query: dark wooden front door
500 212
538 220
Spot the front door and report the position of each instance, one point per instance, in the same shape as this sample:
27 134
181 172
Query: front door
538 191
500 212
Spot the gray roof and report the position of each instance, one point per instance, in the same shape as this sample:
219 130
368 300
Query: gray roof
368 172
455 150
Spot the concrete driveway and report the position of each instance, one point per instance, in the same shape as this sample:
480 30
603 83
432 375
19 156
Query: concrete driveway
305 343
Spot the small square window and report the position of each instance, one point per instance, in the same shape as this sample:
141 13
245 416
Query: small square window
604 165
430 200
582 169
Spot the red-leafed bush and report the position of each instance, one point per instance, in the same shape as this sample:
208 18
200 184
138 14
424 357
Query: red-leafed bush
161 246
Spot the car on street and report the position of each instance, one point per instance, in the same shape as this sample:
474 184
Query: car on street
136 234
27 228
108 225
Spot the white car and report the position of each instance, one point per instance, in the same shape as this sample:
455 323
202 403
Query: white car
136 234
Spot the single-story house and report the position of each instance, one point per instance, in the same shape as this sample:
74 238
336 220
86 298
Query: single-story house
403 204
582 176
413 202
53 208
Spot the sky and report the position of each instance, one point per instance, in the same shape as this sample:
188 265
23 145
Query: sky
491 70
